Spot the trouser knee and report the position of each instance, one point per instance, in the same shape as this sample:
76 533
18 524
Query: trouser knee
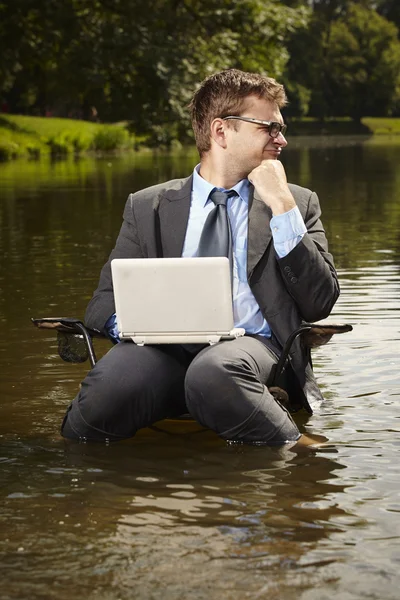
128 389
215 395
227 392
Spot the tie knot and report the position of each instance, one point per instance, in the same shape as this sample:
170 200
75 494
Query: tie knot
221 197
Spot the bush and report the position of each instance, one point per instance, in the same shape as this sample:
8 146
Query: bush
59 144
33 151
162 136
80 142
8 150
110 138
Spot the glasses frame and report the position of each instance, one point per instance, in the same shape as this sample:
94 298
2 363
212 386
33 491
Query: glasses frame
271 125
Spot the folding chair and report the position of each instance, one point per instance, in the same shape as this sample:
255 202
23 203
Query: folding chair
75 345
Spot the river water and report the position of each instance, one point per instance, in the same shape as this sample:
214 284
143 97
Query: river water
181 514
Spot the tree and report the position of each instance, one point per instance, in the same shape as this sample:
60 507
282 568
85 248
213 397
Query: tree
191 39
362 65
305 76
347 62
132 63
390 9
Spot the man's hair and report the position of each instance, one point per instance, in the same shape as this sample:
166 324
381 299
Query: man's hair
226 93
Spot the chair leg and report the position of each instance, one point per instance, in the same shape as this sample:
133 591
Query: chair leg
88 342
280 365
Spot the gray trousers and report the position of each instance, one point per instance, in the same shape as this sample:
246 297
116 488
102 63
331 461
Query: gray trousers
223 387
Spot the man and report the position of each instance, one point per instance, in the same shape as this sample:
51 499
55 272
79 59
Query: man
282 275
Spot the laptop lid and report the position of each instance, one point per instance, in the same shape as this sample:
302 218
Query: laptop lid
173 300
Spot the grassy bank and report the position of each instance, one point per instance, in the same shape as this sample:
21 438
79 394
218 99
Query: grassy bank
345 126
37 136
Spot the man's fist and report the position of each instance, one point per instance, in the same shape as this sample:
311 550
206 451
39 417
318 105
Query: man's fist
269 179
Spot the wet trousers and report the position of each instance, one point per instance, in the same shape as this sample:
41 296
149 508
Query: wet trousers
222 386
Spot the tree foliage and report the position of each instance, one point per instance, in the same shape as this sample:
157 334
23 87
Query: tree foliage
130 59
363 63
140 61
390 9
348 60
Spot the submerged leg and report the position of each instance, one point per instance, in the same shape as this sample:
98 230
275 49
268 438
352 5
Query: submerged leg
226 391
129 388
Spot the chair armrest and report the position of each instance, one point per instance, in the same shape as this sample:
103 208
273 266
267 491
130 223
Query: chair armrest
313 335
320 334
66 326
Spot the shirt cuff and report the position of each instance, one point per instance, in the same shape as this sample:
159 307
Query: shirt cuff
288 230
112 329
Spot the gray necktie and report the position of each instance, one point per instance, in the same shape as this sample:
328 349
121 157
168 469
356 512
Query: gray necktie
216 237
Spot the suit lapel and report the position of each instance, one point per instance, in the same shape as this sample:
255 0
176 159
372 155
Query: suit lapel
174 208
259 232
174 211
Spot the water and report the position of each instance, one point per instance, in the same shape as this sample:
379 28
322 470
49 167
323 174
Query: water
180 514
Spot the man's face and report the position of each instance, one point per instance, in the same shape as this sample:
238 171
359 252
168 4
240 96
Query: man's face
251 143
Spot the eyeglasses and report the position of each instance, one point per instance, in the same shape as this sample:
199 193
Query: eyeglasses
274 128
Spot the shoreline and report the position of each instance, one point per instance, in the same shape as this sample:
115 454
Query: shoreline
23 136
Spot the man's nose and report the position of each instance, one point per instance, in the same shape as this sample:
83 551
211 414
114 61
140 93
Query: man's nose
280 140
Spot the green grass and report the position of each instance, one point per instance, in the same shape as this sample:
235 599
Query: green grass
32 137
36 136
345 126
45 126
382 125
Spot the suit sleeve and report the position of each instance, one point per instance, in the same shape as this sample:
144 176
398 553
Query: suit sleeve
102 306
308 270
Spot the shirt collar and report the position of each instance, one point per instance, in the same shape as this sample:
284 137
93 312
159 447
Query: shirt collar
202 188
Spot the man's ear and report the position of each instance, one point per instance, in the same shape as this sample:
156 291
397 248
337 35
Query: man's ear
218 132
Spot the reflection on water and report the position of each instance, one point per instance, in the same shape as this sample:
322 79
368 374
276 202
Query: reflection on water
187 514
183 515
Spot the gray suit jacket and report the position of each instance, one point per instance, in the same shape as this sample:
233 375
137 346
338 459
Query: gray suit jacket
300 287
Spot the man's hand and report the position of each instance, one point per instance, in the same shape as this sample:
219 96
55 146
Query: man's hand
269 179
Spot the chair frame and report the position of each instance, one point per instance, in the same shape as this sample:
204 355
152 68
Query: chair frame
313 334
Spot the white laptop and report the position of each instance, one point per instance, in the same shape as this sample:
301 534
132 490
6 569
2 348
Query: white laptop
173 300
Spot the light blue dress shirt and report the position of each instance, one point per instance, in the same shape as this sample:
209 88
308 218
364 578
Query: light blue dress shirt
287 231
